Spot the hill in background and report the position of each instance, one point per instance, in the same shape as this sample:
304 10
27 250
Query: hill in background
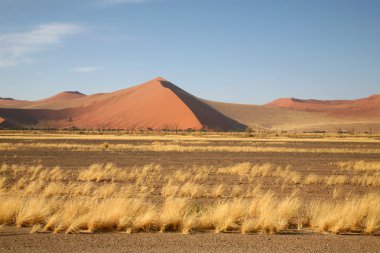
159 104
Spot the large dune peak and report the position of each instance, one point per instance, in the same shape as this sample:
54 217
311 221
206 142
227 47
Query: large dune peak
156 104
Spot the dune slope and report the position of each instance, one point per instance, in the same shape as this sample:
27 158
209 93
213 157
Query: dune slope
360 108
157 104
276 117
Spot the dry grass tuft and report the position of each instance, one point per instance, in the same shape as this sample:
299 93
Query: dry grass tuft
360 166
356 214
172 146
104 198
224 216
312 179
269 214
217 191
335 180
367 180
336 192
172 215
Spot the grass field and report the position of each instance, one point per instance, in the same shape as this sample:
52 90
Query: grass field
189 185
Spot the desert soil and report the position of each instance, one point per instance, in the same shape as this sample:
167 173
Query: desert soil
20 240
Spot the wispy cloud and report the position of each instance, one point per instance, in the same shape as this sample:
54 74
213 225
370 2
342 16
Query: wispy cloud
16 48
85 69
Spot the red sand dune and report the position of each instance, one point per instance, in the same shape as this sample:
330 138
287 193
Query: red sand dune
5 103
59 101
66 95
156 104
360 108
159 104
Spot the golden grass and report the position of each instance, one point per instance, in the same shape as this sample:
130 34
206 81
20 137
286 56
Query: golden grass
262 170
104 197
312 179
355 214
224 216
132 215
172 216
218 190
188 189
237 169
366 179
165 147
288 175
335 180
337 192
271 215
143 181
109 172
361 165
262 214
188 137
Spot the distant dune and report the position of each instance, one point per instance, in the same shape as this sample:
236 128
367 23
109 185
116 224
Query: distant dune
63 96
275 118
268 117
159 104
360 108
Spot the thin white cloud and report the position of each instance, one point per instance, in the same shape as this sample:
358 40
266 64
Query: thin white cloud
85 69
17 48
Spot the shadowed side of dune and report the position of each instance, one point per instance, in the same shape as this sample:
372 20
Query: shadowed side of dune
21 118
208 116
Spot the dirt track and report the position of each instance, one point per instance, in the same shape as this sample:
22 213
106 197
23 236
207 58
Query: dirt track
19 240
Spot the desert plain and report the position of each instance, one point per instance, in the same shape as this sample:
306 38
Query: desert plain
198 192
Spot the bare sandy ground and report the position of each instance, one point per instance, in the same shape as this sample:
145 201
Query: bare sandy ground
19 240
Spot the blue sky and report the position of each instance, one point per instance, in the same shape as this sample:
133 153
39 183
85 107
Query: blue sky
245 51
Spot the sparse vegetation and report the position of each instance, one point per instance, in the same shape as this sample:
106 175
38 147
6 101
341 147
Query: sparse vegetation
249 186
312 179
361 165
172 147
355 214
57 201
